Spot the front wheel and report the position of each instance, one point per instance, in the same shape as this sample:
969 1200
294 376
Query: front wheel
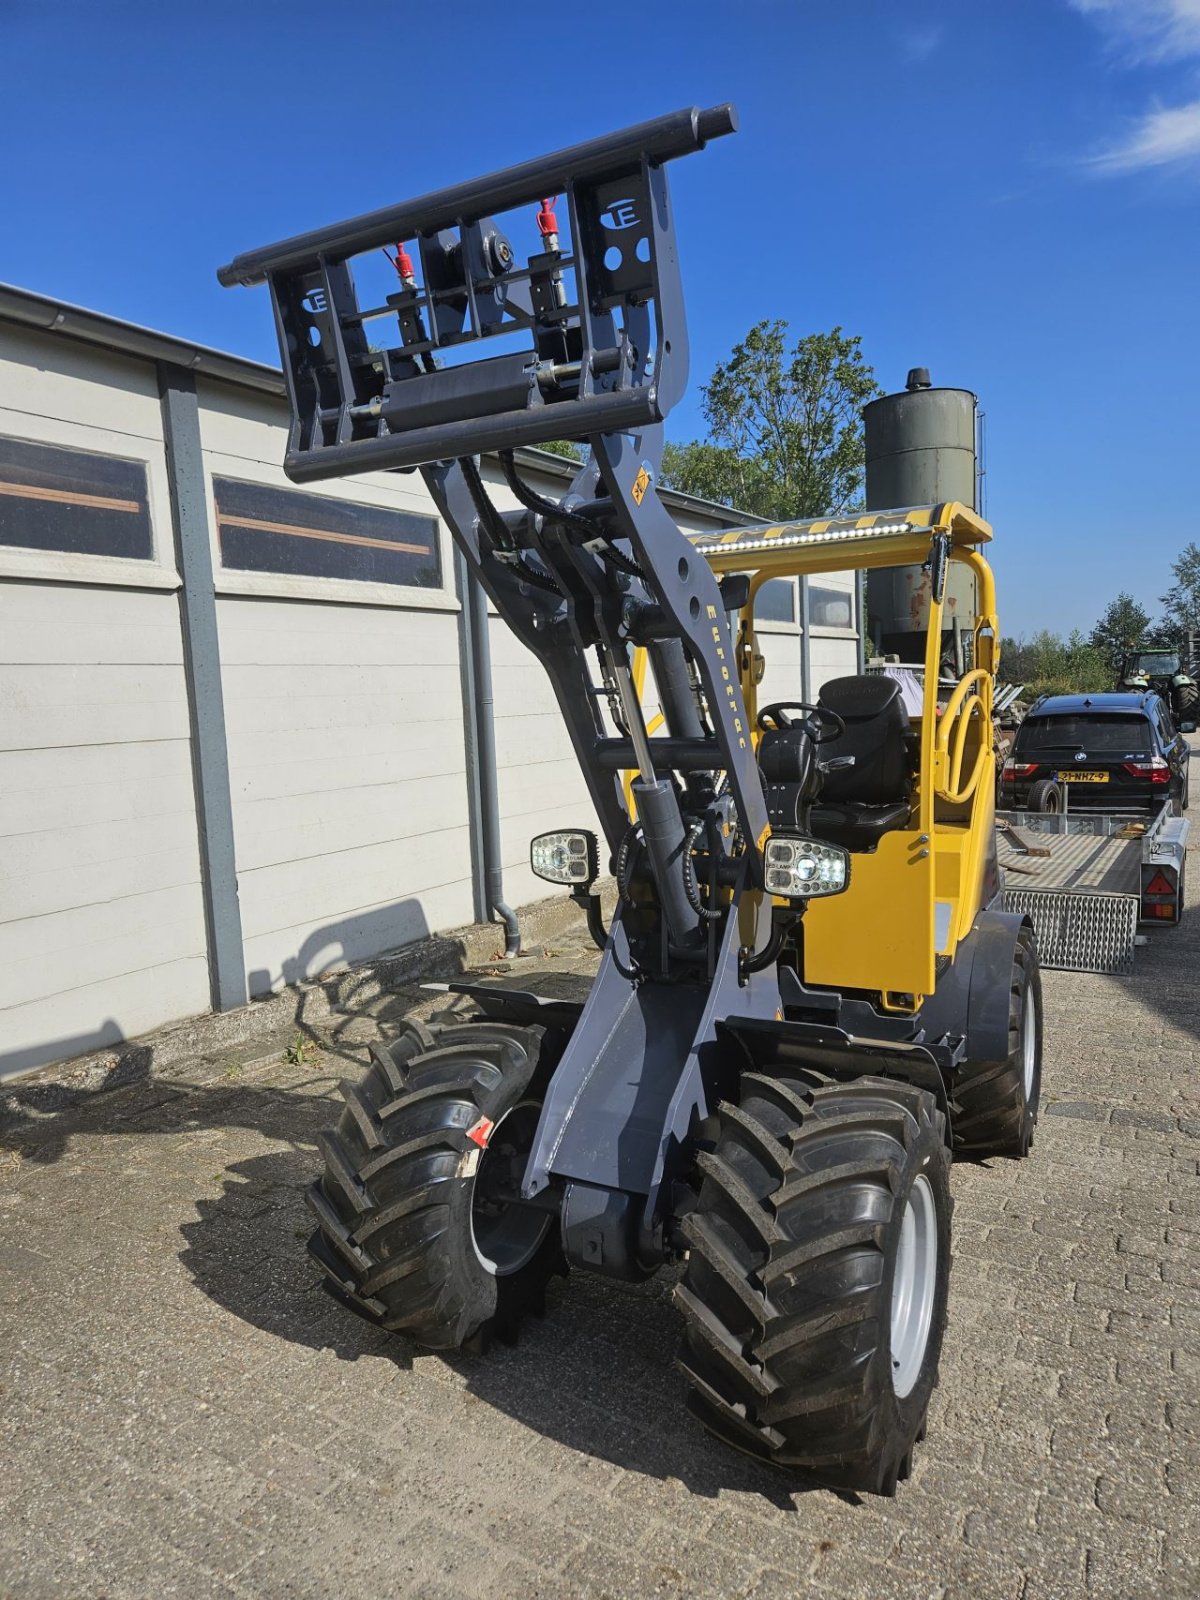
814 1300
420 1226
996 1102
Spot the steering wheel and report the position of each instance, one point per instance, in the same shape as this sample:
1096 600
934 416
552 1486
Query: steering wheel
818 722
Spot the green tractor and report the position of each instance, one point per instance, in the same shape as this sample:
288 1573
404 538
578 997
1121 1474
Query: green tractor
1166 672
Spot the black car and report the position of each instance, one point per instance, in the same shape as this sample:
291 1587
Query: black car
1109 752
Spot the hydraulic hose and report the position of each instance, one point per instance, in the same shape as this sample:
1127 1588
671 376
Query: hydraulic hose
691 886
494 527
553 512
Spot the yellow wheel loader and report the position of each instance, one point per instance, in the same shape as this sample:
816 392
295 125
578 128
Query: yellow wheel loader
807 996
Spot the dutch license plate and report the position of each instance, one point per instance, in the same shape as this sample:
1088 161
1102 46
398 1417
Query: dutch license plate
1083 777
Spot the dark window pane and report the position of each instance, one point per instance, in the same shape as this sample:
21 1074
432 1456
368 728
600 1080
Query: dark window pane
830 608
1157 663
308 535
1102 734
776 601
54 499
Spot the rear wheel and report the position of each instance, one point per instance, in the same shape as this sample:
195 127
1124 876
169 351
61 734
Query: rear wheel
1187 698
419 1223
815 1294
996 1102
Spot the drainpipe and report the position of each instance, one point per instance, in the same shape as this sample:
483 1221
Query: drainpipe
486 870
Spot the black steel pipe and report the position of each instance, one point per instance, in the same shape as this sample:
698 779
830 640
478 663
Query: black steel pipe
489 795
671 755
624 411
679 133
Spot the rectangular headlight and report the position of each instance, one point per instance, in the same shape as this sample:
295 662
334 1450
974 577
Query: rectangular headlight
800 869
571 857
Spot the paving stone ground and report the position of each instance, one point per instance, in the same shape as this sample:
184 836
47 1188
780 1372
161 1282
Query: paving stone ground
184 1413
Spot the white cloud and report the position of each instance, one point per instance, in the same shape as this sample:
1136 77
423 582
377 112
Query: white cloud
1148 30
1161 138
918 44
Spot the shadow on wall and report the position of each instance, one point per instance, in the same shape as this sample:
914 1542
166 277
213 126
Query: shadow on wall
28 1057
395 940
362 936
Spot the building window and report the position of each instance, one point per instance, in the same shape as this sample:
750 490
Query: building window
311 536
830 608
71 500
776 601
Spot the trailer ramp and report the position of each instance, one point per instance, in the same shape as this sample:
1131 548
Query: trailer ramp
1078 879
1080 932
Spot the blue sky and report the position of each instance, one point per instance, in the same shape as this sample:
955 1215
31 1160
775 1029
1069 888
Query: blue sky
1005 191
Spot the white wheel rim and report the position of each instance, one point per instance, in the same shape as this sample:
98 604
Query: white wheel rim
1029 1044
914 1284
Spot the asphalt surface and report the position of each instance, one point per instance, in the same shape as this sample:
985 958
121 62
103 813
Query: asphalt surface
185 1413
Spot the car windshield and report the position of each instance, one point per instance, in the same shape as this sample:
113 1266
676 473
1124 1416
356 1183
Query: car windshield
1157 663
1099 733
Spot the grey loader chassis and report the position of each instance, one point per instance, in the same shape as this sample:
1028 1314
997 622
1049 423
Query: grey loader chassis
700 1106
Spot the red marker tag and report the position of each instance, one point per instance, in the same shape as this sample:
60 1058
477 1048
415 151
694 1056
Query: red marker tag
481 1132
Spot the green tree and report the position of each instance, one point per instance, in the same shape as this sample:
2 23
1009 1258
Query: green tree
565 447
1181 603
1049 664
1123 626
785 426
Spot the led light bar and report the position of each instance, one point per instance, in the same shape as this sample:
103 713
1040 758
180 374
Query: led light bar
801 869
570 856
711 544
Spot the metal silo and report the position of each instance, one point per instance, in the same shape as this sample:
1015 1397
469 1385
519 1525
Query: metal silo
920 451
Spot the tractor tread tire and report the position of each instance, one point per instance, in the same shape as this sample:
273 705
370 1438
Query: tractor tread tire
393 1206
787 1292
990 1112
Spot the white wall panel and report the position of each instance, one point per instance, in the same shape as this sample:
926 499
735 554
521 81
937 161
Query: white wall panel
782 679
101 916
833 658
348 780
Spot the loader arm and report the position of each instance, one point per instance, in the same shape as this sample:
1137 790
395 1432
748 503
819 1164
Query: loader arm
484 344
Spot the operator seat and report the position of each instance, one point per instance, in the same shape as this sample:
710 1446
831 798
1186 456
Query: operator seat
859 804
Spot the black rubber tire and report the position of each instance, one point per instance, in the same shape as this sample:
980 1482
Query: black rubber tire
792 1251
1187 698
1044 796
991 1112
395 1234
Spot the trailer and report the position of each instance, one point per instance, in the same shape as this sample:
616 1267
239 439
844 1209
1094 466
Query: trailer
1088 881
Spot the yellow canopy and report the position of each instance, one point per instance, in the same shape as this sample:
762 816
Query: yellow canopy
830 544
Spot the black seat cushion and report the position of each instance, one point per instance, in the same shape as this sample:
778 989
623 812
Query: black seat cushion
855 827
